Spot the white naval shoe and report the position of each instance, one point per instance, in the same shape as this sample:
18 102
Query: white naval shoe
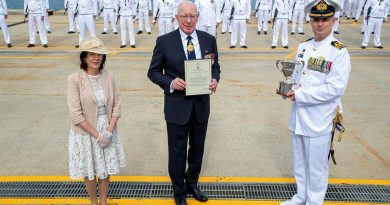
289 202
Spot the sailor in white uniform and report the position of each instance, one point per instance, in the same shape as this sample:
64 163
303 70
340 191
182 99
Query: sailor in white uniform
127 16
316 95
164 13
46 20
280 13
3 23
86 11
263 12
225 9
298 7
144 6
110 9
209 15
240 14
35 10
70 6
375 13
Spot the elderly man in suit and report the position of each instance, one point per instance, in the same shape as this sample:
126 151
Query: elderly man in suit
186 116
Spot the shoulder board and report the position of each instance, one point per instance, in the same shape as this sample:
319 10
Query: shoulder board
309 39
338 45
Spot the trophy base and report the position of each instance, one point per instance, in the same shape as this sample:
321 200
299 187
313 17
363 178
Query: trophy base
282 94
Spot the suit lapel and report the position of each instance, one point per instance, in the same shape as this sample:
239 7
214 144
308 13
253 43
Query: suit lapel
87 85
179 44
201 44
105 86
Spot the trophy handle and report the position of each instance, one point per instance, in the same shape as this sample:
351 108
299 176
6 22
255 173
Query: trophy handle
277 64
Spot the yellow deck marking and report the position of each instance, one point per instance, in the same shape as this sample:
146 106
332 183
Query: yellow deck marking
202 179
154 202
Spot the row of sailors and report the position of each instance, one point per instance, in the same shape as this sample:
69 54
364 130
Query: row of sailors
232 14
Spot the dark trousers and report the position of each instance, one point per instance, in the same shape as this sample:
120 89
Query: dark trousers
178 136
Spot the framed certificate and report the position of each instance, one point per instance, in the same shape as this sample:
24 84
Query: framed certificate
197 76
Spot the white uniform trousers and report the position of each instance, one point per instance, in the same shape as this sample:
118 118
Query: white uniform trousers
225 24
72 22
129 21
143 17
280 24
209 29
364 25
4 28
109 16
311 168
337 22
238 25
298 15
262 20
165 25
374 24
34 22
46 22
86 22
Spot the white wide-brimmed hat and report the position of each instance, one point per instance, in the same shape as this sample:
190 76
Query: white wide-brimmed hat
93 45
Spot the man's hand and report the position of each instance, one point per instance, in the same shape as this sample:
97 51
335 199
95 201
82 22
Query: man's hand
5 16
42 18
213 85
178 84
291 95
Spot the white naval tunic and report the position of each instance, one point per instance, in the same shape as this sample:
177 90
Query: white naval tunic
128 13
283 7
143 14
87 9
319 86
242 12
375 20
263 13
209 15
36 9
3 23
165 16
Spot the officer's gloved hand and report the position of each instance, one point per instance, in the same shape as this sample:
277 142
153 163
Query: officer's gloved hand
104 138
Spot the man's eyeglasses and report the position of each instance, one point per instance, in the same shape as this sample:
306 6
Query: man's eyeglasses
191 17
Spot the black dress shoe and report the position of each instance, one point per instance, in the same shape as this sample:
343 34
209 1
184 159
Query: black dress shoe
48 31
232 46
30 45
9 45
149 32
258 33
115 32
362 32
45 45
70 32
286 47
292 33
223 32
180 200
380 47
265 33
139 32
336 32
301 33
76 46
273 47
244 46
104 32
197 193
133 46
122 46
363 47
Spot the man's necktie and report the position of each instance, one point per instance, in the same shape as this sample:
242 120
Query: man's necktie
190 49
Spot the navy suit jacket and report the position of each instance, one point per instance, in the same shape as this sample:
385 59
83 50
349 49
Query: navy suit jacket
168 63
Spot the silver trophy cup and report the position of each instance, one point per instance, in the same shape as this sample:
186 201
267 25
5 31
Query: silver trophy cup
287 68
